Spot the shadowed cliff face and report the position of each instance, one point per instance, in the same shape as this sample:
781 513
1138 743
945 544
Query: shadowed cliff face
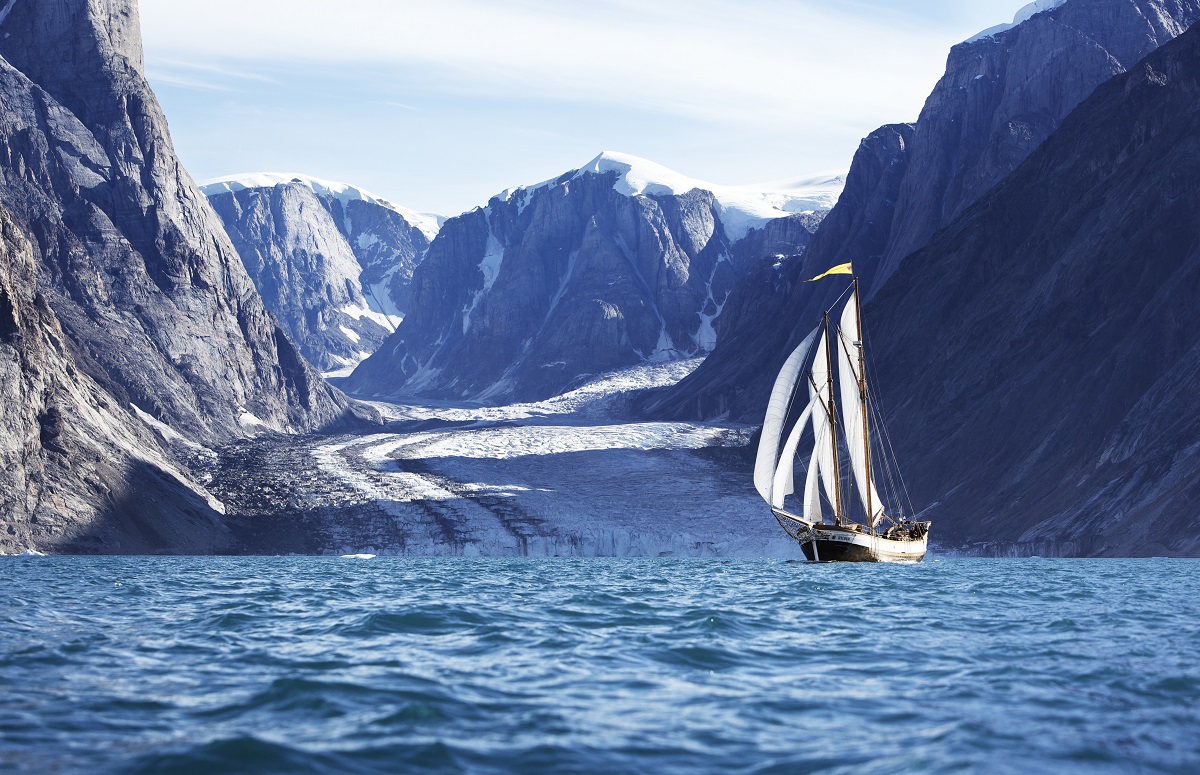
529 296
134 263
336 274
123 296
78 471
999 99
1040 355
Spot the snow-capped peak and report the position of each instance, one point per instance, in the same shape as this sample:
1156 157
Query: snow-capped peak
427 223
637 176
742 208
1026 12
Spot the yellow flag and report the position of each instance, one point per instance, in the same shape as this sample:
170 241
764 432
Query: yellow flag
839 269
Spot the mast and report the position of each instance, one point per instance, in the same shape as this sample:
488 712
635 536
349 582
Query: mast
837 474
862 391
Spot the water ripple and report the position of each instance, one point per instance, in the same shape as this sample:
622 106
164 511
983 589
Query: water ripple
307 665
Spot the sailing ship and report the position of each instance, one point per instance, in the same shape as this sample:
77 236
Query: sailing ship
851 523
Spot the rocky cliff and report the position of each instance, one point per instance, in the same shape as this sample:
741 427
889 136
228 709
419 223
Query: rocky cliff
140 302
619 262
80 471
1002 94
1040 355
331 261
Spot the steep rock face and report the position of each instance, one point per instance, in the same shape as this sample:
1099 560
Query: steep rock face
602 268
131 258
78 471
1001 96
333 263
1041 354
758 320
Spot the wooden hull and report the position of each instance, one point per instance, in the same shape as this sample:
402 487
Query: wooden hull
832 543
863 548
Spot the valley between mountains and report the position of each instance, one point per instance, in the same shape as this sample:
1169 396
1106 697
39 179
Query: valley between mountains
575 475
277 363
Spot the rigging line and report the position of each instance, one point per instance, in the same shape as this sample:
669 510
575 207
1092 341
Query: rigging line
891 472
872 388
888 464
892 451
842 296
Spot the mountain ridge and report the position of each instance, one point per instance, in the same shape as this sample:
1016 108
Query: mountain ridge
1000 97
594 270
332 261
145 312
1044 398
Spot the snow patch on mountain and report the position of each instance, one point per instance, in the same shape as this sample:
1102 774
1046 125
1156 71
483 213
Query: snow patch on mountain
490 267
741 208
1027 12
429 224
168 433
381 318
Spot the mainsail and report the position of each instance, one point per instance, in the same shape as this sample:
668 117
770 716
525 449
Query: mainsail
853 410
783 486
777 409
836 436
816 467
822 455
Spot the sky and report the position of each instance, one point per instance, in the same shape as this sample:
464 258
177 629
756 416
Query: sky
439 104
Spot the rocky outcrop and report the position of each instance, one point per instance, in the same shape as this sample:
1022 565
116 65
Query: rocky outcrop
78 470
614 264
132 258
331 261
772 301
1040 355
140 314
1001 96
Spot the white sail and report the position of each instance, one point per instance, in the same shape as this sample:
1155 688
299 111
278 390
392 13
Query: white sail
849 340
772 432
782 486
822 427
812 493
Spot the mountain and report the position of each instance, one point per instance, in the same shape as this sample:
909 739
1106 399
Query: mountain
331 261
134 333
1040 355
618 262
1003 93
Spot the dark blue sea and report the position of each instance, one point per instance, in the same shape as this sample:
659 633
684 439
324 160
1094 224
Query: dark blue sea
324 665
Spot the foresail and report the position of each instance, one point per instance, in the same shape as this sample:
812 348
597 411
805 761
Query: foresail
849 339
812 493
822 427
782 485
777 408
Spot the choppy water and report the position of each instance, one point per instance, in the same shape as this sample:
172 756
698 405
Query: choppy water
391 665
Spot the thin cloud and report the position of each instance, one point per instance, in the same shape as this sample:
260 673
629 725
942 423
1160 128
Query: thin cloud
767 61
449 101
